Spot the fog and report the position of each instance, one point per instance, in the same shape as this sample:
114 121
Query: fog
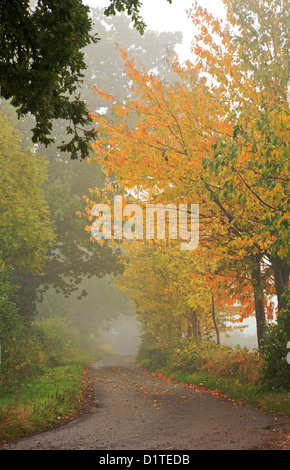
103 315
123 336
79 283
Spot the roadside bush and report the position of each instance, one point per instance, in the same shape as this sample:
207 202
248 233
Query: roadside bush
193 356
201 357
234 362
21 355
22 359
275 372
150 355
9 317
60 342
188 355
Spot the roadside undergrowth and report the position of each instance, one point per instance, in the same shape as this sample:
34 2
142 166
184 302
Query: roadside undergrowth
231 372
58 395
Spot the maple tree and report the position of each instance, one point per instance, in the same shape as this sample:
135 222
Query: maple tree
251 69
216 137
177 294
149 165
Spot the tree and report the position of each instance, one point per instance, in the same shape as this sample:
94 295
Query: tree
26 231
103 304
182 148
42 64
21 355
151 50
132 7
73 258
178 294
252 68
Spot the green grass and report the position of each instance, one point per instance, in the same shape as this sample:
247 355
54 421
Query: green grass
233 372
278 402
43 402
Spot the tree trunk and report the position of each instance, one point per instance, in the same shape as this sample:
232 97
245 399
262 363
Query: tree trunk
195 326
281 273
259 303
193 330
179 330
214 320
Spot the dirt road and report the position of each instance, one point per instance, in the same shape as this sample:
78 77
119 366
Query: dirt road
136 410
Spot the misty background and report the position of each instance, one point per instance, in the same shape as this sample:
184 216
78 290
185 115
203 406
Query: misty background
77 288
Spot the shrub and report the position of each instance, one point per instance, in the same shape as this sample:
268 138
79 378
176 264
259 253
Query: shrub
189 355
22 359
275 372
9 317
192 356
202 357
60 342
21 355
235 362
150 354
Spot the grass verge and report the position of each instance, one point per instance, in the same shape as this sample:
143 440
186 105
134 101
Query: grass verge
44 402
233 389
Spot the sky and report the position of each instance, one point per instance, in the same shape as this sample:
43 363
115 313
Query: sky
160 16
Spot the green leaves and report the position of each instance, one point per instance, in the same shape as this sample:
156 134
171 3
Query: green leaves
42 66
25 229
132 7
276 370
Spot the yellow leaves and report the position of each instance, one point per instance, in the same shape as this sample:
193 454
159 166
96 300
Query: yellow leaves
189 143
278 189
242 254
